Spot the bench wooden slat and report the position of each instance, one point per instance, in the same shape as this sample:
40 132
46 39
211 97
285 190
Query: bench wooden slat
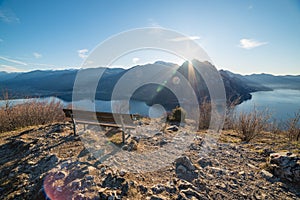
104 124
99 116
102 119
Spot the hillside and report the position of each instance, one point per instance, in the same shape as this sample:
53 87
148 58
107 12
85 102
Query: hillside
276 82
246 81
60 83
260 82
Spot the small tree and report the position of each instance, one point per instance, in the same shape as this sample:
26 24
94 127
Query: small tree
250 125
205 109
178 115
293 127
230 114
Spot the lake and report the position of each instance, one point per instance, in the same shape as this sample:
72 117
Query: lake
101 106
281 103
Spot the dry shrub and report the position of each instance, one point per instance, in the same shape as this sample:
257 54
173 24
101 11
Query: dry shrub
29 113
205 114
276 127
230 115
209 111
250 125
293 127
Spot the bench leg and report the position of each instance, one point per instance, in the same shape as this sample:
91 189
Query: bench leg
123 136
74 125
128 134
123 130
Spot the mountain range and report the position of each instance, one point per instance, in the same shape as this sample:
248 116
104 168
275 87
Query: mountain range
60 83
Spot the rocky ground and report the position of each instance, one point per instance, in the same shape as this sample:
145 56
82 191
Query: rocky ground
49 162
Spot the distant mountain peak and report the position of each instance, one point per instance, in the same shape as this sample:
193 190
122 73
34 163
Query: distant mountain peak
159 62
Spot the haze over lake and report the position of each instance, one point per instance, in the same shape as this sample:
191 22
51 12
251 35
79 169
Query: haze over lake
101 106
282 103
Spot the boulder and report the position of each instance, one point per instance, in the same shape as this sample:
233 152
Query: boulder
156 198
157 189
267 175
172 128
285 165
142 189
184 161
204 162
185 169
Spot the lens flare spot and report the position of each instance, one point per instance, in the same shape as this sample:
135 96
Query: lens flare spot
176 80
156 111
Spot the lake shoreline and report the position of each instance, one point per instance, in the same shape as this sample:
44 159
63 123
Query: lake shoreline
286 101
282 103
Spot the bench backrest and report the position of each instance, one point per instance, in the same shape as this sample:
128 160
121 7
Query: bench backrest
102 117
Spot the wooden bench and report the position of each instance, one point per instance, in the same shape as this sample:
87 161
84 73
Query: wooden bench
117 120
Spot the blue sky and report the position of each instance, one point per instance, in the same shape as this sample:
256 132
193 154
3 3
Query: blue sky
242 36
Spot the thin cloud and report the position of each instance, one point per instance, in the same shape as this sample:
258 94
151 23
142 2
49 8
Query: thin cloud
135 60
13 61
9 68
82 53
153 23
250 43
180 39
8 16
41 64
1 40
18 63
37 55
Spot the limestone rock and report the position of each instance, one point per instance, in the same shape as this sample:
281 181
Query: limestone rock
285 165
186 162
267 175
204 162
142 189
156 198
157 189
173 128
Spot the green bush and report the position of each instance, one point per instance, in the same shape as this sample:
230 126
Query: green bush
178 115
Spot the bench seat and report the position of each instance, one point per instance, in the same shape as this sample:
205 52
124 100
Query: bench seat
102 119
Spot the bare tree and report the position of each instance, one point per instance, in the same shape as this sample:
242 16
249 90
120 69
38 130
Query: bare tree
293 127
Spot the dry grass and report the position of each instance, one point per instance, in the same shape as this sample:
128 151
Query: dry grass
250 124
29 113
116 139
229 136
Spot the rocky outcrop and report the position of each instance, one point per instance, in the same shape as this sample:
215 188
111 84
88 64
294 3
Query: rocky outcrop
185 169
286 166
58 164
77 180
